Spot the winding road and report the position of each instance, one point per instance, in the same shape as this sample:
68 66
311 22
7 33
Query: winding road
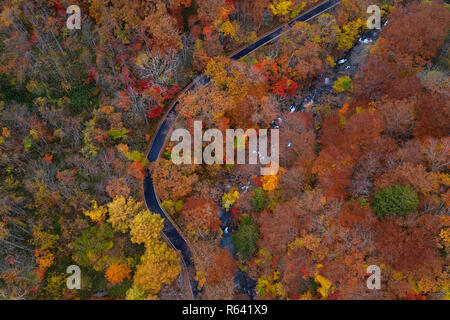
171 231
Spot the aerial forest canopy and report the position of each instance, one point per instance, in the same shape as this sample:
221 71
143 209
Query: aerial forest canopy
363 117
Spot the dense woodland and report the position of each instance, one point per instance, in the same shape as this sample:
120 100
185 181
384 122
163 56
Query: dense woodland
364 177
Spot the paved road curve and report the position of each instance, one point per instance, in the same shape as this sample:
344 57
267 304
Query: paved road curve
171 231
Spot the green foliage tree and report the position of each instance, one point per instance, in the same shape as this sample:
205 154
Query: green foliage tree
135 293
343 84
172 207
83 98
93 246
246 238
259 200
395 199
54 288
117 134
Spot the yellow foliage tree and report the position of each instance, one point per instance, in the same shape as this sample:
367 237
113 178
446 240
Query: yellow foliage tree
97 213
200 276
281 8
326 286
5 132
343 84
122 212
445 237
229 75
3 230
268 286
135 293
348 34
228 28
160 265
228 199
146 228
